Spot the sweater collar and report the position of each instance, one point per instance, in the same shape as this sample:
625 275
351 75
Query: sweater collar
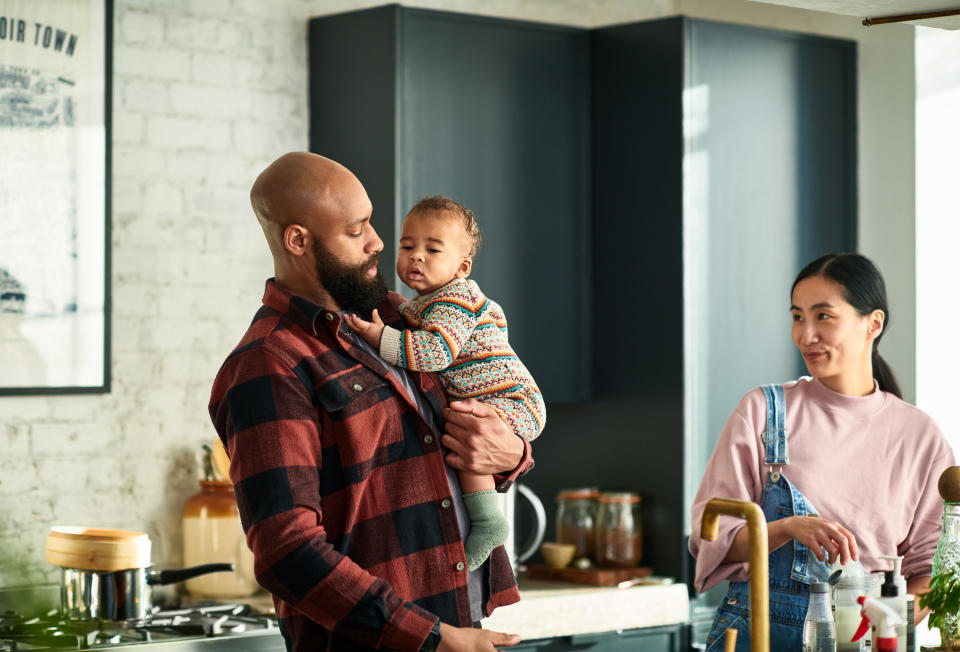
854 405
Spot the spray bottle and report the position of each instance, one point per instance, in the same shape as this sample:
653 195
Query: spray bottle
885 621
900 600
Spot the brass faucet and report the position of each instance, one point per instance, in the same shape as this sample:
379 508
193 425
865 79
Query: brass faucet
759 564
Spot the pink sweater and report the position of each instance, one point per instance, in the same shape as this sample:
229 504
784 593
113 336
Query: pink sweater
871 463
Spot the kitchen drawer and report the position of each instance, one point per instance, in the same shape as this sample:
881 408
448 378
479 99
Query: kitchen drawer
670 638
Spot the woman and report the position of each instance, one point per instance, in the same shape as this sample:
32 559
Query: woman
851 473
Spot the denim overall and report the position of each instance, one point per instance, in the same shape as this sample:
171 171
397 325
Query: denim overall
792 566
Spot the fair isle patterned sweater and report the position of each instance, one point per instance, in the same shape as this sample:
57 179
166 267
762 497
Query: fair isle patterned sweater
461 334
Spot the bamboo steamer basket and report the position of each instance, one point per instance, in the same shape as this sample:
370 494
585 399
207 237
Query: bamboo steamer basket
105 574
97 549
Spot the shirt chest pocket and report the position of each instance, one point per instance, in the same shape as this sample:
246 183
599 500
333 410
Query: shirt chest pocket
361 416
351 392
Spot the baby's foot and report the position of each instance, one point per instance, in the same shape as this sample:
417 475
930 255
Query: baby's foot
488 527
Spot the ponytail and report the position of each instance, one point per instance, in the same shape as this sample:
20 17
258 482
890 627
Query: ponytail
884 375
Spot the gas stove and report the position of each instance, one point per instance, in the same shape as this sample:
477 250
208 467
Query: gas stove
190 627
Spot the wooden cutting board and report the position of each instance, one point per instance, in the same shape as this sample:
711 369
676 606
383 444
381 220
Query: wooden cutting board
592 576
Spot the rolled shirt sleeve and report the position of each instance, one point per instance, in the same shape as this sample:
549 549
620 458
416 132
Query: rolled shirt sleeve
734 471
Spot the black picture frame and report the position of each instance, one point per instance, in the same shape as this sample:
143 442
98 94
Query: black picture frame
55 208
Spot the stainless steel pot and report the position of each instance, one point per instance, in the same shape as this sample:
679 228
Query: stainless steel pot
106 575
119 595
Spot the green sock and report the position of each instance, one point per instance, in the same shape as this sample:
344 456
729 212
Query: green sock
488 527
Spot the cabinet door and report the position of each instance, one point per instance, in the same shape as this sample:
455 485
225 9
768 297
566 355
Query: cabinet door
769 186
669 638
494 114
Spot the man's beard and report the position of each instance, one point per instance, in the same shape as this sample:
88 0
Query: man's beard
349 285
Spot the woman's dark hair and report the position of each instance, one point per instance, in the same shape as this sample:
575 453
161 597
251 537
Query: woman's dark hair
864 289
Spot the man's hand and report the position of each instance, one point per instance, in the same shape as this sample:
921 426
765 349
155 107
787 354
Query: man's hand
469 639
479 440
370 331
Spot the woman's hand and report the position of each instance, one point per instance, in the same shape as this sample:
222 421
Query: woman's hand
814 532
469 639
828 540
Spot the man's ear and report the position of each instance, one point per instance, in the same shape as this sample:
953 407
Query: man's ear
465 266
295 238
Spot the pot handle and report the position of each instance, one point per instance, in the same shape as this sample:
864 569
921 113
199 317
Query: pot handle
532 544
181 574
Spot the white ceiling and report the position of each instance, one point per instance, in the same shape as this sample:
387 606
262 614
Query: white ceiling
880 8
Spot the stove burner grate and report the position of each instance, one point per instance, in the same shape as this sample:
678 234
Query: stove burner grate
51 631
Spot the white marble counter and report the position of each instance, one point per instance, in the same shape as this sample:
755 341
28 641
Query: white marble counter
549 609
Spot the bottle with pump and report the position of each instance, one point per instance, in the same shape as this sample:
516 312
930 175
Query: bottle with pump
904 604
819 631
891 597
885 622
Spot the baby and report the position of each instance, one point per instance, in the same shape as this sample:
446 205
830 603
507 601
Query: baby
456 331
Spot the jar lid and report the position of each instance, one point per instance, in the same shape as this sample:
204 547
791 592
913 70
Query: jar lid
578 493
97 549
619 497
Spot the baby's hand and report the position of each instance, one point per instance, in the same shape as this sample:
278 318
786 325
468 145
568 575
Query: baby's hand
370 331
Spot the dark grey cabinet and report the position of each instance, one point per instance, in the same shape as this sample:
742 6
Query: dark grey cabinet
724 160
648 192
495 114
670 638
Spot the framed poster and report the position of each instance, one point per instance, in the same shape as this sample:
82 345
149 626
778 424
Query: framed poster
55 67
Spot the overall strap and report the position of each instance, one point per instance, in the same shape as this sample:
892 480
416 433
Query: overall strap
775 433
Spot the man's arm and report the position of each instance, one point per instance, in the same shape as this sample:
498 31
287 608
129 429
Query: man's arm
258 400
481 442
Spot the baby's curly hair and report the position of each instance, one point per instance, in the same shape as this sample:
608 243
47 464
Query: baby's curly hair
441 204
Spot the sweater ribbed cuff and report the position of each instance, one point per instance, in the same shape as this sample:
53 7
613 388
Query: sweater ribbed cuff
390 345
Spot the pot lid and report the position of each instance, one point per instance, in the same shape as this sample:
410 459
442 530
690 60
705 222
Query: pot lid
97 549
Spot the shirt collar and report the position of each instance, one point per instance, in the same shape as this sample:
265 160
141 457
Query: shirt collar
301 311
856 405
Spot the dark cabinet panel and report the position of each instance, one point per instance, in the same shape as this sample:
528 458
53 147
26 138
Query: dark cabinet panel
494 114
669 638
726 163
647 193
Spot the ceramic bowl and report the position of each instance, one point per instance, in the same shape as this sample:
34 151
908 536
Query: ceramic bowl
558 555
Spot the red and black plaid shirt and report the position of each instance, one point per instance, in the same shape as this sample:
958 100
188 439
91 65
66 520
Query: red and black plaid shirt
341 485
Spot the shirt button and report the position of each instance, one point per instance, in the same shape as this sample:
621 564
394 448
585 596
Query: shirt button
428 439
445 503
459 565
357 387
329 316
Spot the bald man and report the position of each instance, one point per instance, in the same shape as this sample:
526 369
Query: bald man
350 505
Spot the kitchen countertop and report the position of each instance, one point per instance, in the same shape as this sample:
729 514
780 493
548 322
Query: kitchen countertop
551 609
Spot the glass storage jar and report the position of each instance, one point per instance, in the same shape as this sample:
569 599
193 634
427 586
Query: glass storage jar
577 518
619 530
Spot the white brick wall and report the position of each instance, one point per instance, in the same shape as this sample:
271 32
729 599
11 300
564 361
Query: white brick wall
206 93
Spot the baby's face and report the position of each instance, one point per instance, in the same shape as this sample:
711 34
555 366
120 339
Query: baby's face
434 250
